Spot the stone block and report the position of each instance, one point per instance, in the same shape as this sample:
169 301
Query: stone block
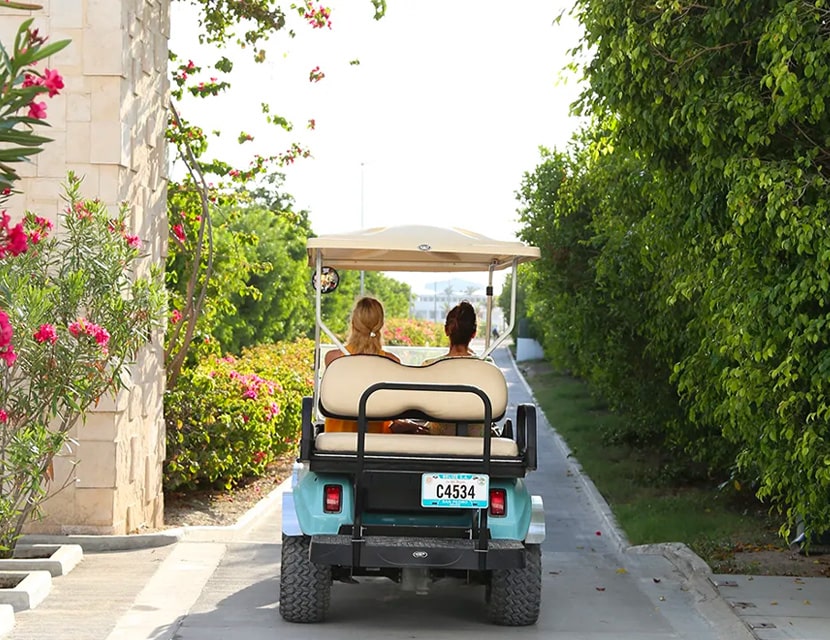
153 402
106 15
99 40
162 19
152 477
51 162
134 25
66 14
101 427
137 408
44 188
110 184
113 402
106 98
57 510
78 136
135 459
107 143
69 60
97 465
161 52
89 174
64 469
27 169
78 107
55 115
95 509
148 52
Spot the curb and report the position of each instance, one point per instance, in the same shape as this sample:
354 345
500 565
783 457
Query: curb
109 542
60 561
611 527
698 574
128 542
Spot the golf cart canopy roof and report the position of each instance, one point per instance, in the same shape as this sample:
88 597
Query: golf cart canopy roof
417 248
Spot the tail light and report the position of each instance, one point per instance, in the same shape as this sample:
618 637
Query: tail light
498 502
332 498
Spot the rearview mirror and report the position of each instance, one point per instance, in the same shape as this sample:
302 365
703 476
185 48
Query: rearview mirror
329 279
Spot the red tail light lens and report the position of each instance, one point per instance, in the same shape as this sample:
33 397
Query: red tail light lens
498 502
332 498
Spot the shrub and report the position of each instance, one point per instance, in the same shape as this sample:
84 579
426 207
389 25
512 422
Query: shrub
73 317
408 332
229 417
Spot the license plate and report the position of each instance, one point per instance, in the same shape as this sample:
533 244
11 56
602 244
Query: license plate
455 490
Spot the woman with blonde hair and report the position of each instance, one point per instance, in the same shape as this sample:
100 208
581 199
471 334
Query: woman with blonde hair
364 337
365 327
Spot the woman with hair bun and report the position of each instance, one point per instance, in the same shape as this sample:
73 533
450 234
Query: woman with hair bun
460 327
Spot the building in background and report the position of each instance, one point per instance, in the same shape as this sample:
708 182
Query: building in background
435 299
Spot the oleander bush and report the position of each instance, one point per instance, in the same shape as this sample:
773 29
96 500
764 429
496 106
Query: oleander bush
229 417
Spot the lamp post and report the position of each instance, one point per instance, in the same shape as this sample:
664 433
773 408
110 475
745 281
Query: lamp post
362 286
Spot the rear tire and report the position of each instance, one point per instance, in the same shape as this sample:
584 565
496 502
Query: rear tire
305 587
514 595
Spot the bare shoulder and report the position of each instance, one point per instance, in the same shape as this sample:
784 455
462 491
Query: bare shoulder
332 355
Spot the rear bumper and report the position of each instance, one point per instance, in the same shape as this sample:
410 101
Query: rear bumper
403 551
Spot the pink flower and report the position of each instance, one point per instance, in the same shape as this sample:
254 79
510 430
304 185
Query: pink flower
76 328
6 333
319 17
16 240
101 335
82 211
37 110
175 316
4 417
43 223
46 333
134 242
53 81
250 393
96 332
178 232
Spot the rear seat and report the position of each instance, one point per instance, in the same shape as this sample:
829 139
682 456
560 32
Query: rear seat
345 380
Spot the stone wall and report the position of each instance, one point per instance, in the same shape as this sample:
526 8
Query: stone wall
108 126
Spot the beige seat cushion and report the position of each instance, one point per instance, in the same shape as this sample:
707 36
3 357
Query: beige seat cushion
415 444
346 378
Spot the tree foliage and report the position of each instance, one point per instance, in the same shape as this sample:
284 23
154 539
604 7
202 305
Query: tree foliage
701 191
337 306
210 183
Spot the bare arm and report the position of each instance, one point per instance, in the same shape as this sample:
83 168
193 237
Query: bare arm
333 355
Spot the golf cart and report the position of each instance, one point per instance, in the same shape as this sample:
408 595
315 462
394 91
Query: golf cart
413 508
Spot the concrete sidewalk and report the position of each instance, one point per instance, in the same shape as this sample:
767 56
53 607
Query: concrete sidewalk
139 586
149 586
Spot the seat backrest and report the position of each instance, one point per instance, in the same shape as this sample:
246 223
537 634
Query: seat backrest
346 378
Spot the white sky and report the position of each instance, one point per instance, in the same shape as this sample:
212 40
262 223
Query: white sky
437 124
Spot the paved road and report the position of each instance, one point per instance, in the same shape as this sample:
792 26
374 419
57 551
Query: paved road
217 584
